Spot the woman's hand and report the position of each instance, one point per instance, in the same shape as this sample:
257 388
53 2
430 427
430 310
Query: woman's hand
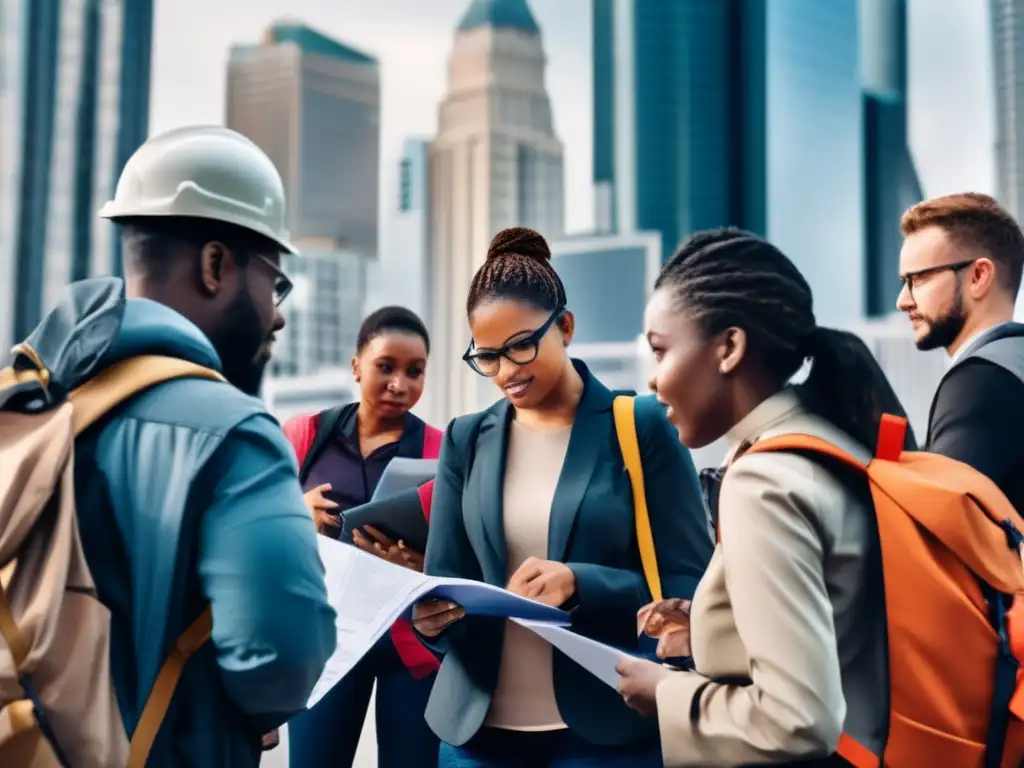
369 539
543 580
669 622
638 684
320 507
432 617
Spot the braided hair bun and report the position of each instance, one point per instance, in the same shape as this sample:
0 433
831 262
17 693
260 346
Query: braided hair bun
518 267
521 241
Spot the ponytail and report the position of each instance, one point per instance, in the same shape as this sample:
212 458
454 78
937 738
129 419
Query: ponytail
729 278
847 387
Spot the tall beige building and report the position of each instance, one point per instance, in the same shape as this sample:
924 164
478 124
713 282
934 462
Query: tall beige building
313 105
496 162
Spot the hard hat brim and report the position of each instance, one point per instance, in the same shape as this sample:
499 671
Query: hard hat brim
113 212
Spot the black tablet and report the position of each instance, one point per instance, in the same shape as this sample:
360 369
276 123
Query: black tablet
399 517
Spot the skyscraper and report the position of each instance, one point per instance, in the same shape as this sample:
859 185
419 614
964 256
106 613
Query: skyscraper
891 184
408 271
1007 18
74 101
313 105
495 163
736 112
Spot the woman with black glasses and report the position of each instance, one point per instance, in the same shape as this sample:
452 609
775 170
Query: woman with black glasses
532 494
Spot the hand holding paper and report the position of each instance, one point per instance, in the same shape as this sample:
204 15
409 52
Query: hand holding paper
638 684
370 594
544 580
432 617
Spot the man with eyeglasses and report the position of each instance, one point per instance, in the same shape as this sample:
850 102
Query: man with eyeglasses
961 267
187 494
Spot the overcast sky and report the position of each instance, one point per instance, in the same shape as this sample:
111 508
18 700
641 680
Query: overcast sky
950 75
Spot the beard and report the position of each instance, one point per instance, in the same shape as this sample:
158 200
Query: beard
242 345
946 328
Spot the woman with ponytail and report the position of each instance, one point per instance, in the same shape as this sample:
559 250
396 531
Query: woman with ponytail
786 628
531 494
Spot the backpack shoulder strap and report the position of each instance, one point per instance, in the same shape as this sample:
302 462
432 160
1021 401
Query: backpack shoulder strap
91 402
326 422
432 437
159 701
112 386
892 431
624 411
1007 353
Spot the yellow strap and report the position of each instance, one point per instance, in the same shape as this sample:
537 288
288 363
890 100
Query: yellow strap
22 713
117 383
12 635
624 408
159 701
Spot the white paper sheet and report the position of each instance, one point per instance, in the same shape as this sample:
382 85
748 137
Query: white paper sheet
597 658
370 594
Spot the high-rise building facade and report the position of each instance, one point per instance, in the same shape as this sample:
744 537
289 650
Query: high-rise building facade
737 112
408 257
324 310
891 183
313 105
1007 19
495 162
74 105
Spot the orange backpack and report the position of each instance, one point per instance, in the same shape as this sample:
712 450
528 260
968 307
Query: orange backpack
950 544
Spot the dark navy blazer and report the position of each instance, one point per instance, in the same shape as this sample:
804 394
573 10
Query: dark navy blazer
592 530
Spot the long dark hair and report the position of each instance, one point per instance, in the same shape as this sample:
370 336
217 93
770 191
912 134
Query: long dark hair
730 278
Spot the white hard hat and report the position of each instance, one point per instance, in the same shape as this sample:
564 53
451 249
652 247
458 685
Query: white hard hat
208 172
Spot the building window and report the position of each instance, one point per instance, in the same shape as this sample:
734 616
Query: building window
405 186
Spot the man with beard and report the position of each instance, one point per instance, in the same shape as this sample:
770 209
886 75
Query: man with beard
187 494
961 266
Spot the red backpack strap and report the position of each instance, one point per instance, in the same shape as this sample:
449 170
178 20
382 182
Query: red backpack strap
300 430
426 494
431 442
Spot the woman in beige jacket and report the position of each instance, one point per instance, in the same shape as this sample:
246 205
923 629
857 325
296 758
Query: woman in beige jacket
786 628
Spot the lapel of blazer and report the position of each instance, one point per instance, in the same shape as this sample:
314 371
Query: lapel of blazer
588 437
486 498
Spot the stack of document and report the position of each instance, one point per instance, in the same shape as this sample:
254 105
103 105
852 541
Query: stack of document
370 594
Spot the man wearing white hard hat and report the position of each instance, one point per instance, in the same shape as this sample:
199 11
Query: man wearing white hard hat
187 493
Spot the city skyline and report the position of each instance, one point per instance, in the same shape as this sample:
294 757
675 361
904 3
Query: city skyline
950 80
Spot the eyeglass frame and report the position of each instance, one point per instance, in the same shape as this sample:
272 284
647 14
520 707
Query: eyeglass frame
282 283
534 337
956 267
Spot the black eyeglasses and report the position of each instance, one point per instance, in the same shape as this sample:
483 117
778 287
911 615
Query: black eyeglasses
523 351
910 279
282 285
